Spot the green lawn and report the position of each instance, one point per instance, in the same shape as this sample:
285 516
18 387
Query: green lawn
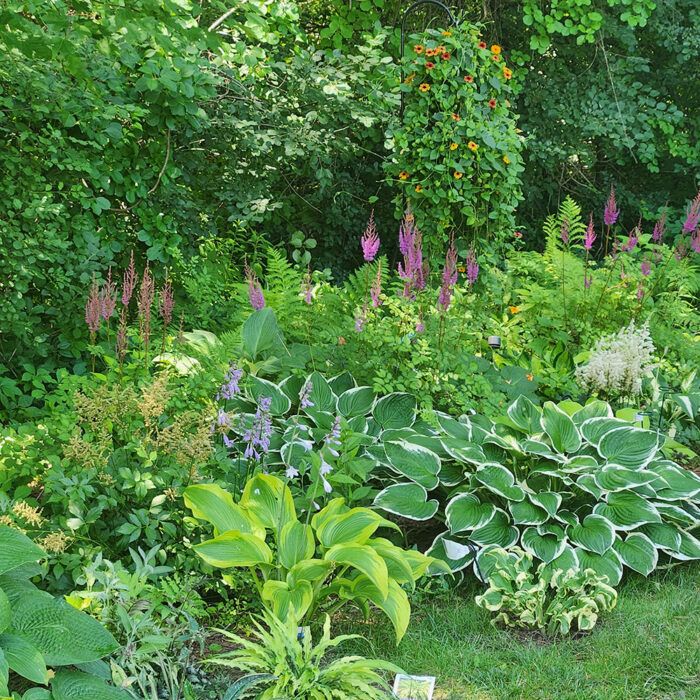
648 648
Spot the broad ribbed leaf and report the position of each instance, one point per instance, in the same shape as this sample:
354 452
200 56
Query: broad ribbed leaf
616 478
279 404
595 533
234 548
365 560
438 549
689 548
526 513
593 409
461 432
407 500
264 495
565 561
588 483
211 503
358 401
296 543
682 483
74 685
498 479
461 452
525 414
637 552
497 531
544 547
549 500
607 564
629 446
5 611
675 514
321 394
466 512
627 511
5 674
394 603
355 526
285 601
16 549
663 535
398 565
23 658
397 410
594 429
311 570
260 332
414 462
561 429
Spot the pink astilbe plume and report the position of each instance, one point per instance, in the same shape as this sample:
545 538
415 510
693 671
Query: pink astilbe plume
449 278
361 319
564 232
681 251
413 270
109 298
659 227
167 301
307 286
695 240
472 266
590 236
370 240
93 308
633 238
692 215
611 211
376 289
587 280
645 266
129 281
640 290
255 292
147 293
121 344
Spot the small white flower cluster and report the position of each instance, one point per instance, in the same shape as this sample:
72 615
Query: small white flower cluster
619 362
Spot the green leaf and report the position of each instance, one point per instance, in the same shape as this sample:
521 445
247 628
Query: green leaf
414 462
526 513
607 564
407 500
549 500
265 496
285 601
296 543
615 478
394 603
5 611
689 548
561 429
260 332
321 394
663 535
356 402
397 410
241 686
637 552
280 402
74 685
595 533
545 547
466 512
355 526
234 548
525 414
565 561
497 531
498 479
341 383
463 554
593 429
16 549
211 503
629 446
365 560
627 510
311 570
461 432
24 658
593 409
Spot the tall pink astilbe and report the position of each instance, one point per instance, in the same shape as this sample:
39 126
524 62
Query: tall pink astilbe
122 341
633 238
166 305
564 232
695 240
659 227
361 318
611 211
472 266
449 278
109 299
588 241
413 270
692 215
146 295
645 266
370 240
255 292
376 289
129 281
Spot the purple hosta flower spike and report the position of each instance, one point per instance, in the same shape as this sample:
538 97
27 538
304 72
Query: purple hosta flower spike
659 228
646 266
307 285
370 240
590 235
376 288
258 435
692 215
230 387
333 438
472 266
109 297
611 211
449 277
129 281
93 307
304 394
255 292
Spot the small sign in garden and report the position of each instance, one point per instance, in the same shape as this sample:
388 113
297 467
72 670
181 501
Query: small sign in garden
414 687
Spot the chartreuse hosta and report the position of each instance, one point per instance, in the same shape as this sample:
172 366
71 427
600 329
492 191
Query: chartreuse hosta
39 633
575 486
302 566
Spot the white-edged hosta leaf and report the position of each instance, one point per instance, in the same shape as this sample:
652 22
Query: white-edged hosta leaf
627 510
607 564
486 562
407 500
537 447
525 415
616 478
595 534
593 429
561 429
637 552
462 432
321 394
279 401
451 474
466 512
679 481
689 547
467 454
357 401
497 531
549 500
397 410
567 517
415 462
580 464
495 477
552 529
593 409
527 513
341 382
663 535
675 513
588 483
565 561
629 446
438 550
544 547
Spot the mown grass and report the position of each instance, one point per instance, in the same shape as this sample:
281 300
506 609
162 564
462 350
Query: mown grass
647 648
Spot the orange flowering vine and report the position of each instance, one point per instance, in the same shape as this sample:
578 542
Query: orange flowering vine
468 78
419 188
471 145
507 73
514 309
418 48
424 87
455 116
458 175
430 52
403 175
482 44
495 49
453 146
492 104
446 56
429 65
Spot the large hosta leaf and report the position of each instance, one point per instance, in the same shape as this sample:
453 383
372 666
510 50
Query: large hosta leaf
627 511
629 446
527 513
498 479
296 543
463 554
561 429
355 526
211 503
23 658
407 500
525 414
234 548
460 432
394 603
364 559
545 547
688 549
16 549
358 401
460 452
414 462
549 500
5 611
397 410
265 495
607 564
595 533
680 483
674 513
663 535
594 429
615 478
565 561
260 332
284 600
637 552
497 531
321 394
466 512
74 685
262 388
593 409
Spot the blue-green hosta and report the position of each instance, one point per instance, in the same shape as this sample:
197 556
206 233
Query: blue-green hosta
322 561
573 485
39 632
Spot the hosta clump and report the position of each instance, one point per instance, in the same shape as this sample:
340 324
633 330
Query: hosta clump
557 601
39 632
575 486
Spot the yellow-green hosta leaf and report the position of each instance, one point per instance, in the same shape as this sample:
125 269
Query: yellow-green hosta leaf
16 549
311 570
284 600
365 560
335 506
266 495
211 503
23 658
397 564
356 526
296 543
394 603
234 548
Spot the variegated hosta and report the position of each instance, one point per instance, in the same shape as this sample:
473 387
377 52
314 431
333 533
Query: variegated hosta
573 485
302 566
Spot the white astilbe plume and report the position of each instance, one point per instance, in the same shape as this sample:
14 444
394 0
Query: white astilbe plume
619 362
